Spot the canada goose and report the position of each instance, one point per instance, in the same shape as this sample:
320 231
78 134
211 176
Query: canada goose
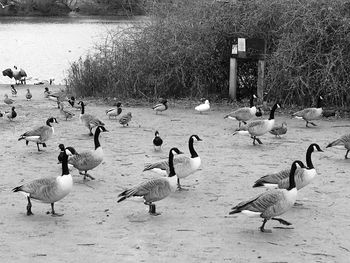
46 92
184 165
114 112
13 91
12 114
125 119
279 130
157 141
302 176
89 120
259 127
66 114
18 75
271 203
203 107
7 100
29 95
74 105
48 190
69 150
246 113
41 134
155 189
163 106
345 141
310 114
88 160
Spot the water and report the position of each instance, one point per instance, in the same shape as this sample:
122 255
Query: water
45 47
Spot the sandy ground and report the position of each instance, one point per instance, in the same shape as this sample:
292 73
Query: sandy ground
194 225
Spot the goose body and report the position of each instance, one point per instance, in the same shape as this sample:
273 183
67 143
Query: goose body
114 112
163 106
18 75
259 127
65 113
203 107
125 119
12 114
39 135
7 100
48 190
279 130
342 141
89 120
271 203
29 95
13 91
157 141
88 160
155 189
303 176
310 114
184 165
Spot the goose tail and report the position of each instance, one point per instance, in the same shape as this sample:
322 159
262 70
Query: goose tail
127 193
17 189
235 211
336 142
258 184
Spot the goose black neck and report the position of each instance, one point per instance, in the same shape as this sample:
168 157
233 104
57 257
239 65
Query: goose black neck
272 113
82 108
48 123
292 177
191 148
65 170
251 103
308 157
319 102
96 141
171 164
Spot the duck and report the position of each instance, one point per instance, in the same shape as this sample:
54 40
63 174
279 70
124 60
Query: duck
271 203
114 112
11 114
65 113
88 160
203 107
183 164
302 176
7 100
259 127
41 134
163 106
342 141
157 141
279 130
47 92
29 95
72 103
310 114
155 189
56 97
125 119
48 190
13 91
246 113
88 120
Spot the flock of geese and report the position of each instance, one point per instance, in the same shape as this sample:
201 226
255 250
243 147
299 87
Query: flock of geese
283 186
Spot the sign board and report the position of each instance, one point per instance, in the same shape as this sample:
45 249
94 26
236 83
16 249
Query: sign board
249 48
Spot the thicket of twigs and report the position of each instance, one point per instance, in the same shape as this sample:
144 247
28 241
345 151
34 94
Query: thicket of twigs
183 50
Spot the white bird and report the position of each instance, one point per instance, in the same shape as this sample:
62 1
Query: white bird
310 114
48 190
114 112
303 176
157 141
89 120
41 134
259 127
88 160
203 107
271 203
184 165
342 141
163 106
155 189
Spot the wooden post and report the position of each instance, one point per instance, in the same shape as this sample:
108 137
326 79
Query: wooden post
261 76
233 78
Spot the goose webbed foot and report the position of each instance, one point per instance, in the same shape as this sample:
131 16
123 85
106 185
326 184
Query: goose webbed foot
298 204
180 188
44 144
282 221
262 227
87 175
53 213
152 210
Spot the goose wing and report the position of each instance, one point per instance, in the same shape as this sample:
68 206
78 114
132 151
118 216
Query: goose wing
162 165
82 159
40 189
92 120
42 131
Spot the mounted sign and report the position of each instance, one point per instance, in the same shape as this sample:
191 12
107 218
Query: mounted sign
250 48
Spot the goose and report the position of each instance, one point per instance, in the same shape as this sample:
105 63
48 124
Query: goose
125 119
203 107
66 114
279 130
302 177
47 92
114 112
69 150
48 190
88 120
155 189
41 134
88 160
259 127
18 75
29 95
271 203
13 91
72 103
12 114
157 141
163 106
184 165
7 100
310 114
345 141
246 113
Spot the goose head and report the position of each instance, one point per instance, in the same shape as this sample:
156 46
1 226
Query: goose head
81 103
119 104
195 137
315 147
51 120
101 129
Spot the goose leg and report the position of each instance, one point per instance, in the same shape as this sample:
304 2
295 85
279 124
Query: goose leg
262 229
258 140
282 221
346 155
307 124
87 175
37 144
253 137
313 123
91 134
53 213
29 207
152 210
179 186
